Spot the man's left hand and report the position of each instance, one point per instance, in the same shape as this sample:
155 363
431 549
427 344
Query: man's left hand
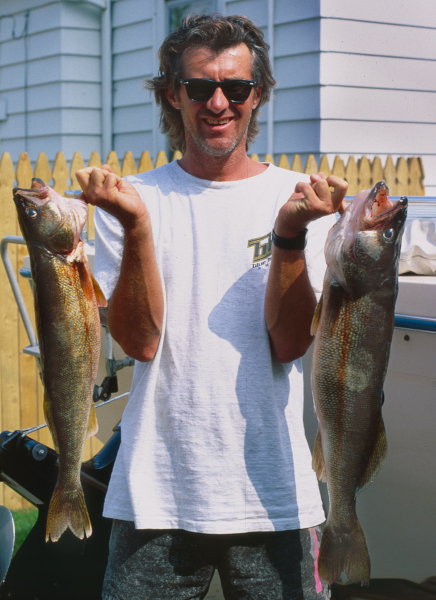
311 201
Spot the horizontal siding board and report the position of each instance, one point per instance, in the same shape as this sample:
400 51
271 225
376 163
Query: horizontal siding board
420 13
379 72
54 95
256 10
132 37
363 137
297 38
378 104
135 142
129 92
297 137
132 119
68 144
377 38
133 64
125 12
286 11
50 16
297 71
60 121
297 104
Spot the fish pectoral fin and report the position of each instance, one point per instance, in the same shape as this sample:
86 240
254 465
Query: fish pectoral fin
318 462
101 300
92 423
376 459
316 317
50 422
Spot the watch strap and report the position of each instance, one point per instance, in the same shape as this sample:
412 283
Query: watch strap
296 243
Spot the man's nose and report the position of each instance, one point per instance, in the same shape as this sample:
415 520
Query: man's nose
218 102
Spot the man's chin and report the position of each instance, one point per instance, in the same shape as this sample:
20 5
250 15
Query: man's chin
216 150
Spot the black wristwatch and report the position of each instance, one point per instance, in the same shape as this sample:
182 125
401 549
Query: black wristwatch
296 243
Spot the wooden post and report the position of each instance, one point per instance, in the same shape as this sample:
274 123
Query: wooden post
129 165
364 177
351 175
390 176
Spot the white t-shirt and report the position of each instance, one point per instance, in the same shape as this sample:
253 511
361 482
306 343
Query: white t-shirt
212 436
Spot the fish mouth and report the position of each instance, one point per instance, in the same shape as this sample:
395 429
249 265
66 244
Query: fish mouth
380 208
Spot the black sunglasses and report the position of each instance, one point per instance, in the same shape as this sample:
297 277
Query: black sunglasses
202 90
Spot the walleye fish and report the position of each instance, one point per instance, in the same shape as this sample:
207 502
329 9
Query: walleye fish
353 327
68 324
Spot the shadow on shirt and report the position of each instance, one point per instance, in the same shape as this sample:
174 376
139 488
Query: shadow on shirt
262 390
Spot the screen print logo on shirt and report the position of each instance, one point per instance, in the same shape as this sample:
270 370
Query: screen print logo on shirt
262 250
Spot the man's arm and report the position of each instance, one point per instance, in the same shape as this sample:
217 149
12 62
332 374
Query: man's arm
136 307
289 300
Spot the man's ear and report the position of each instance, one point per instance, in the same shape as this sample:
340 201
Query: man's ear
172 99
257 95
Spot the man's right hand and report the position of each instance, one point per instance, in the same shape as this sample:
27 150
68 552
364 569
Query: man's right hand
103 188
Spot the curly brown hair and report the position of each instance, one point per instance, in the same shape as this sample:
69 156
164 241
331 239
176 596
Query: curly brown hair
216 33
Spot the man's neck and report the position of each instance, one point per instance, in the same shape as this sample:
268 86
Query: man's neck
233 167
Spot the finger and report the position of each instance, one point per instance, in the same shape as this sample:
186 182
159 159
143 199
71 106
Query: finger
107 167
317 176
340 187
343 207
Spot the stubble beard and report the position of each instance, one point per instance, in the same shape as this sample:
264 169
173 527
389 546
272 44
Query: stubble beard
213 151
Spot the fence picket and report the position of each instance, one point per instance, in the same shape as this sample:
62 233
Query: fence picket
76 164
390 176
112 161
161 159
297 164
402 169
311 166
351 176
324 166
338 168
283 162
376 171
129 165
145 163
364 176
42 168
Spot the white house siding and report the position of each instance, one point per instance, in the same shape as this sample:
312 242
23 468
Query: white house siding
138 31
378 80
52 100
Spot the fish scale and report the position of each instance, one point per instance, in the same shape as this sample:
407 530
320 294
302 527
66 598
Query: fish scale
66 300
353 327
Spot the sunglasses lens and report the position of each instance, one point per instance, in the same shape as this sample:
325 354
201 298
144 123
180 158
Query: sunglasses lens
236 91
201 90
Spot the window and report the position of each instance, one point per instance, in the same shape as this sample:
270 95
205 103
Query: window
179 9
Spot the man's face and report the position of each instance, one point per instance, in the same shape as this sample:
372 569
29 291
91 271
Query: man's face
216 127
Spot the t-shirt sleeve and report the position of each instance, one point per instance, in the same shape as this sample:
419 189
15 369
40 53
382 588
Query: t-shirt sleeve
315 259
109 242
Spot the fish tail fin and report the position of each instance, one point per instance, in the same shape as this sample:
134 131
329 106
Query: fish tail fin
67 509
344 551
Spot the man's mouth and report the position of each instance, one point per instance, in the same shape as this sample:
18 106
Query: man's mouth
217 121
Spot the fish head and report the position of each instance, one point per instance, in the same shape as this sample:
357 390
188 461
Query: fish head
49 220
363 247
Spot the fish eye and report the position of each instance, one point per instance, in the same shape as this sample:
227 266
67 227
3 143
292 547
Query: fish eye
389 235
32 213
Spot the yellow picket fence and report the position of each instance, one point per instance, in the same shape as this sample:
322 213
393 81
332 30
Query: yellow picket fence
21 394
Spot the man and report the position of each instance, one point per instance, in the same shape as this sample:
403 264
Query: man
214 470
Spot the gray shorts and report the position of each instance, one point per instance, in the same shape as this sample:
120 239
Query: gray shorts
150 564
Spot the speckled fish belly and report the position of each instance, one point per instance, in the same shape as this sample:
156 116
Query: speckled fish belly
353 327
66 307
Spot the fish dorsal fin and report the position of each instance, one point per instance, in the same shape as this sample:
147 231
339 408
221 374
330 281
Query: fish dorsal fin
316 317
376 459
318 461
92 423
101 300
